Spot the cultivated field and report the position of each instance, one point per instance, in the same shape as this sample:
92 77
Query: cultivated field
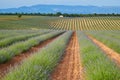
52 48
56 23
87 23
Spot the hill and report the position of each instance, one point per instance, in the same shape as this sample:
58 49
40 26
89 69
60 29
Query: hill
63 9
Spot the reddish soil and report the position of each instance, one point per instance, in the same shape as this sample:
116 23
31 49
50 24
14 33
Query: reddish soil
111 53
70 67
4 68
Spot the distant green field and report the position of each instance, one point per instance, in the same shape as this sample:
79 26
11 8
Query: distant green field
56 23
26 22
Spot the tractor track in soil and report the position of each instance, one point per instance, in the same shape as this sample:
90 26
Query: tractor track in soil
70 67
5 67
108 51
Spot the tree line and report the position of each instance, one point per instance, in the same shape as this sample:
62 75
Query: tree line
59 13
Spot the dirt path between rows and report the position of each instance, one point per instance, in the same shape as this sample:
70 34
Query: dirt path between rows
111 53
70 67
4 68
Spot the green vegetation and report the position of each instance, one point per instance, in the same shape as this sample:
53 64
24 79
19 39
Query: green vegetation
40 64
96 64
64 14
26 22
8 41
15 49
109 38
19 35
42 22
11 33
86 23
19 15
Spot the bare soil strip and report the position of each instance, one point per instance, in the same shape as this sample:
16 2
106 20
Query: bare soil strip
70 67
4 68
111 53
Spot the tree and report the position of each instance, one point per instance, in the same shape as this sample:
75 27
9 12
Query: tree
66 15
58 13
19 15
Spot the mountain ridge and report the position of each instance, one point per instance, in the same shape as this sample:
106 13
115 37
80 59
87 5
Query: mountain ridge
78 9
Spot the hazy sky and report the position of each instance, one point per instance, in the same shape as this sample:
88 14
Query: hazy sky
18 3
